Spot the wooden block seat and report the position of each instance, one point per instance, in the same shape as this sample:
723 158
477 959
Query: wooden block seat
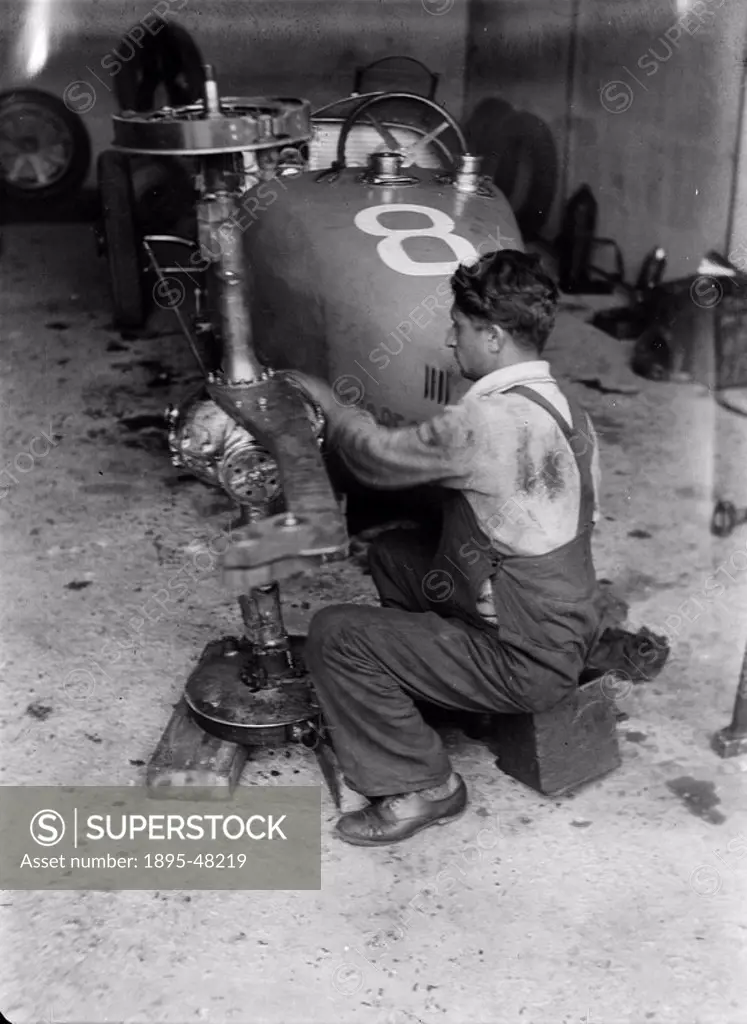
555 751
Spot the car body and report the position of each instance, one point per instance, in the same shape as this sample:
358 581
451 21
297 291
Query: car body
349 274
350 282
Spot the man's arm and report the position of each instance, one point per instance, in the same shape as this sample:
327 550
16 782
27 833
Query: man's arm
440 450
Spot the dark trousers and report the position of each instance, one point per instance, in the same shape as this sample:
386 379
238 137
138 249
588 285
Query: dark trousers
369 666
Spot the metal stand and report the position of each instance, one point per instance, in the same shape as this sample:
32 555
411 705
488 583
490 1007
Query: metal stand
254 691
245 693
732 741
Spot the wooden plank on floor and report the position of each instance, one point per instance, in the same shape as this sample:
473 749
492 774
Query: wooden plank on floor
189 763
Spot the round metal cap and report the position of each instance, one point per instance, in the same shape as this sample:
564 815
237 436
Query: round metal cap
470 164
229 697
385 168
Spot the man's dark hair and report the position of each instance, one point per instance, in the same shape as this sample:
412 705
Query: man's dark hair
510 289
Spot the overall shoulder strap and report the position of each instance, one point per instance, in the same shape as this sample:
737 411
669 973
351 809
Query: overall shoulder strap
581 442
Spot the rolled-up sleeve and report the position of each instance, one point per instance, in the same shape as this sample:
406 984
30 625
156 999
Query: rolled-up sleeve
439 450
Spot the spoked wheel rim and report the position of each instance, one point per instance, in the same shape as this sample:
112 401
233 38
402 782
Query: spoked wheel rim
36 146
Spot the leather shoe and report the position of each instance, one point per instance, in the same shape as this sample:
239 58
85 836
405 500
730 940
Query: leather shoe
391 819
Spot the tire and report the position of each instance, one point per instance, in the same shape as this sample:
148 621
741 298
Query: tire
164 194
171 59
483 131
527 170
45 149
122 240
520 155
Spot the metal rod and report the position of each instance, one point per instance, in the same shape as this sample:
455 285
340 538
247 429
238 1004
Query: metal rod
250 618
265 630
179 316
570 92
738 156
732 741
212 96
176 239
269 615
179 269
216 215
738 727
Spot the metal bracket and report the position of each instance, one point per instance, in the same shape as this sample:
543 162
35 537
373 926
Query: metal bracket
242 124
312 530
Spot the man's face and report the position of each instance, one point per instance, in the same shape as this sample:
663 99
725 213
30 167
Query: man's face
474 346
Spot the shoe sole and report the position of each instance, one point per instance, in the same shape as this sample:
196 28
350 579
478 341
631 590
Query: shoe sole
446 820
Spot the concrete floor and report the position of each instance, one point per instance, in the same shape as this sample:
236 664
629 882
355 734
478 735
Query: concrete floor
623 903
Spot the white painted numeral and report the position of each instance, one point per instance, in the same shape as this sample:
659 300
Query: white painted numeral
391 250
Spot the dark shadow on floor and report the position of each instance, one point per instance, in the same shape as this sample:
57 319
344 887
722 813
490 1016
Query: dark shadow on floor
81 208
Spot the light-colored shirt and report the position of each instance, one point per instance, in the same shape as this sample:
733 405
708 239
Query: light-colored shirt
505 453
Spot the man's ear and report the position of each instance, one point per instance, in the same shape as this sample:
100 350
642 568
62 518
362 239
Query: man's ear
496 339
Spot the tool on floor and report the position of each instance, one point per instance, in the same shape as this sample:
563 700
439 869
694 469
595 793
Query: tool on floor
652 271
632 319
577 244
330 174
732 741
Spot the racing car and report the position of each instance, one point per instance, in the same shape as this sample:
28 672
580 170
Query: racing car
317 242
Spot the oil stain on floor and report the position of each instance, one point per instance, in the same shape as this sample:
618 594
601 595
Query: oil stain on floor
699 797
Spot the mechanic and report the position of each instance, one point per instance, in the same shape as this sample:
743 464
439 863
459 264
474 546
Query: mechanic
492 613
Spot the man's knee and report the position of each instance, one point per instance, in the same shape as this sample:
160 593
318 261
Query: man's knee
344 632
327 626
339 628
397 544
339 643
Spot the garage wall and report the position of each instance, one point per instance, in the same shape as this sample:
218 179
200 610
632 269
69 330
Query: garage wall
643 107
314 45
616 93
317 44
660 157
516 97
738 236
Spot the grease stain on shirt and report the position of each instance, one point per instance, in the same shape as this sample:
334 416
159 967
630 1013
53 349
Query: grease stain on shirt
526 476
552 476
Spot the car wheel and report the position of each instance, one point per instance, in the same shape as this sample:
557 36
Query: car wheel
45 149
122 240
527 170
170 61
520 156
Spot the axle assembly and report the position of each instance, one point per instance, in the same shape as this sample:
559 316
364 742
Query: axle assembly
248 430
